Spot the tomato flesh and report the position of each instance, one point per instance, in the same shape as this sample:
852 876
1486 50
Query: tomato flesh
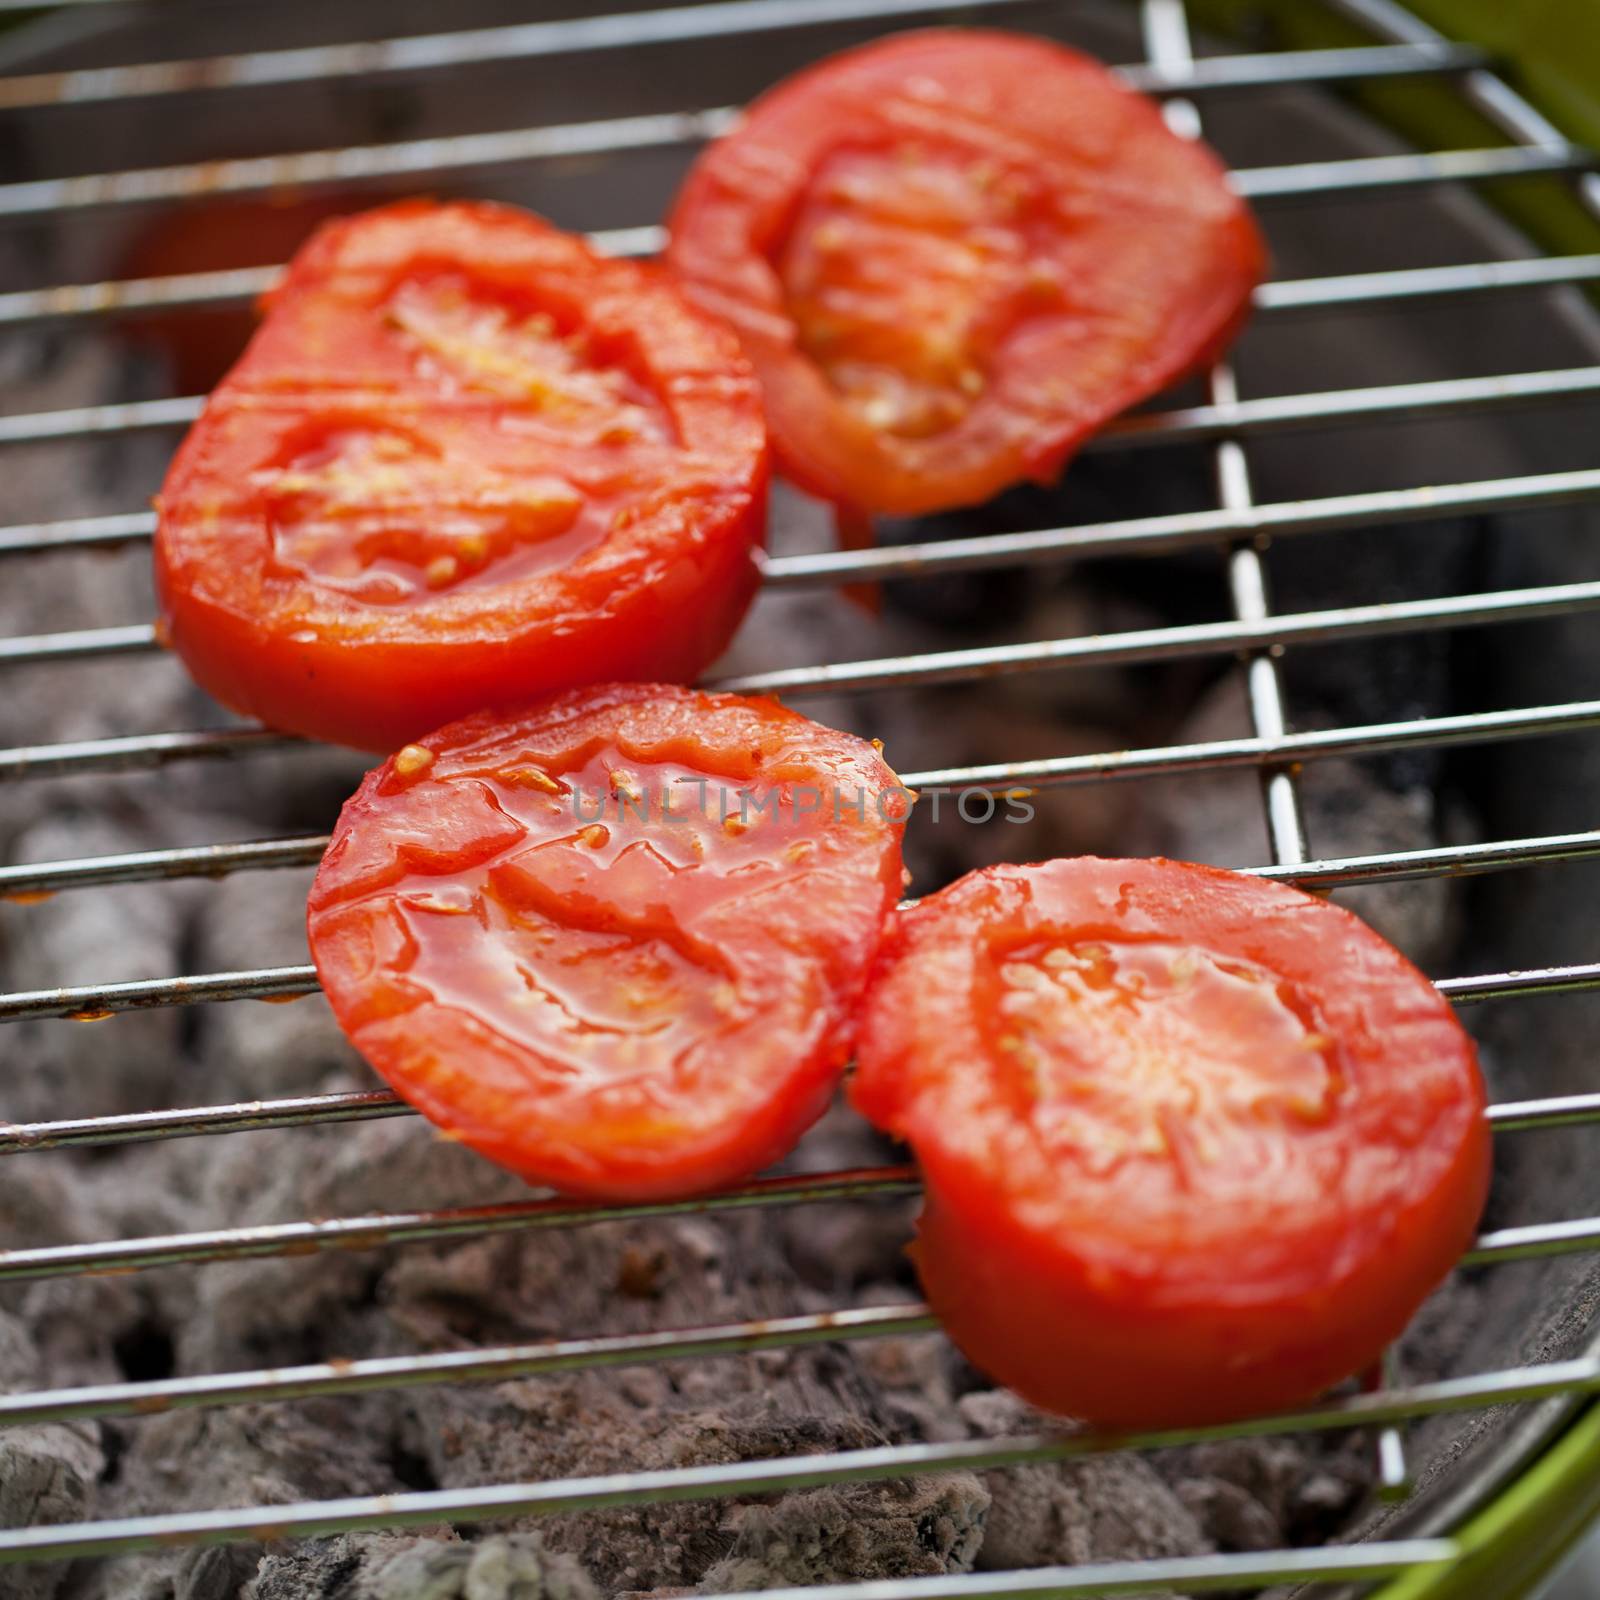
952 255
465 461
613 942
1196 1145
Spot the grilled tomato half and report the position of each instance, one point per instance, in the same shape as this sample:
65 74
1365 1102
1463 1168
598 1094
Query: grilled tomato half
465 461
1195 1144
614 942
952 256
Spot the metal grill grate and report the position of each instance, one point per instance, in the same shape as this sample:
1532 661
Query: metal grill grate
1225 421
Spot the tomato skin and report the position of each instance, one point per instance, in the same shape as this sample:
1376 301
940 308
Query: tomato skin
464 462
637 1008
993 215
1247 1262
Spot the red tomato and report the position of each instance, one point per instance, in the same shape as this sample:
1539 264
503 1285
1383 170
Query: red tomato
953 255
465 461
567 938
1196 1145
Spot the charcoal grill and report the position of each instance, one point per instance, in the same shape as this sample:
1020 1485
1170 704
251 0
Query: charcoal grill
1502 1459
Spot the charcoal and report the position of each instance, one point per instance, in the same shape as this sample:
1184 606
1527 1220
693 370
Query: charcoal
47 1471
1348 810
1100 1508
217 1573
406 1567
916 1529
1264 1494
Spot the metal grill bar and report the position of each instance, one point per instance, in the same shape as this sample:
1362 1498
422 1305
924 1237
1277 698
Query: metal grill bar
89 422
1160 535
375 1232
1219 754
1166 35
1259 631
349 1377
424 1508
461 1366
1243 419
1534 1240
30 880
83 644
1370 174
363 1105
315 169
149 751
1163 535
1560 1111
36 5
528 41
1196 1573
144 866
477 152
434 52
1456 861
94 1002
77 533
183 291
250 1116
187 291
419 1227
1513 985
1279 413
1414 283
139 752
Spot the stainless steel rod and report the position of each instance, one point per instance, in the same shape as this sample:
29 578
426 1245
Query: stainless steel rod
421 53
1412 284
376 1232
1265 416
1140 536
249 1116
1258 631
360 1105
1162 535
97 1002
77 533
208 1390
412 158
354 164
402 1228
30 879
424 1508
139 752
149 751
178 291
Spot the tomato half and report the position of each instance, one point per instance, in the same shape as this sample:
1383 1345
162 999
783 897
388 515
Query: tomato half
1196 1145
465 461
614 942
952 255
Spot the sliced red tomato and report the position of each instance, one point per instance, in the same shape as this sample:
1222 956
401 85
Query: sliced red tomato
614 942
465 461
952 255
1196 1145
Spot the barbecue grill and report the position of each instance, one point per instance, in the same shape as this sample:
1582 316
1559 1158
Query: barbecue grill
1483 1469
